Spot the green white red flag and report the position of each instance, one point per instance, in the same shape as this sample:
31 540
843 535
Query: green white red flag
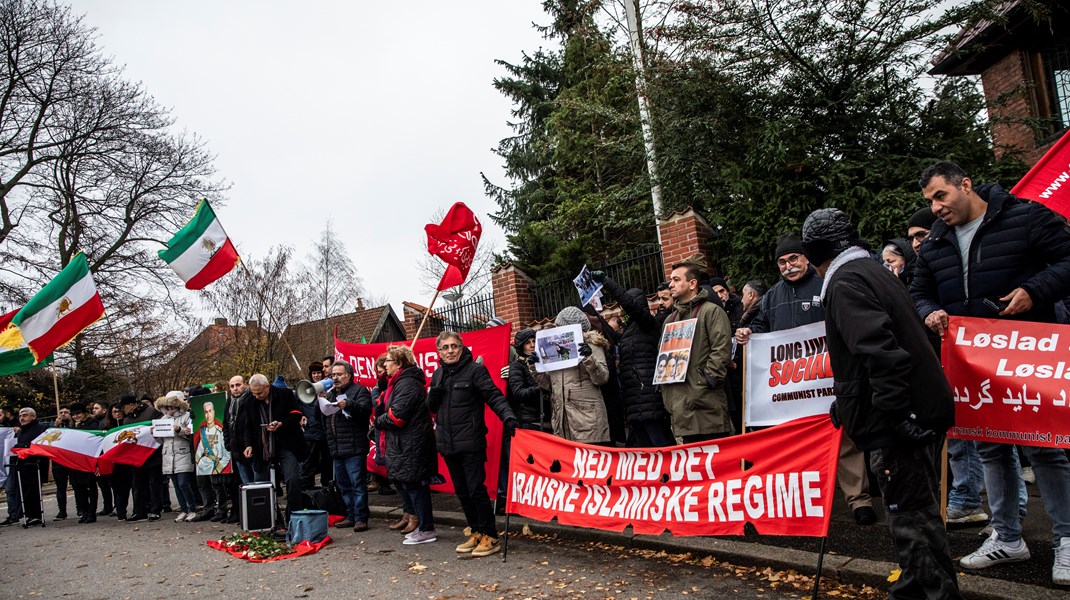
15 355
65 307
128 445
201 252
73 448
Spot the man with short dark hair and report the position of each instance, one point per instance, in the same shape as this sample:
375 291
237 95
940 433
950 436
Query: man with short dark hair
698 405
347 441
84 482
992 255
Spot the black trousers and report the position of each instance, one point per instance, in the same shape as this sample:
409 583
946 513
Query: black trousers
122 479
469 474
29 474
104 485
85 492
146 487
62 476
907 479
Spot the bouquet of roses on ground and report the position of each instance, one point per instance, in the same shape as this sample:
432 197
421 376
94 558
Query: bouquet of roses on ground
252 545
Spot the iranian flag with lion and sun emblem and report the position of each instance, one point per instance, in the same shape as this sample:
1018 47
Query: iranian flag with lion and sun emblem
201 252
88 450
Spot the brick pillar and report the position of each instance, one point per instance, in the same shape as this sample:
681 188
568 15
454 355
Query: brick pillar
512 296
683 233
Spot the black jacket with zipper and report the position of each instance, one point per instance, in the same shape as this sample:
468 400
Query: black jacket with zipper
466 388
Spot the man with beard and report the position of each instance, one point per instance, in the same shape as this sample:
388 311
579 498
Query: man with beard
795 301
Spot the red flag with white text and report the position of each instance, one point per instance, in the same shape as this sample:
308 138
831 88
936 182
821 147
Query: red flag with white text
454 241
1048 182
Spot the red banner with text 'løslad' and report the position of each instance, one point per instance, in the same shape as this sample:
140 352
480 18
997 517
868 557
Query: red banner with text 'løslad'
1011 381
781 479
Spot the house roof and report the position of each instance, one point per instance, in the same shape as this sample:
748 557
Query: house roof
980 45
314 339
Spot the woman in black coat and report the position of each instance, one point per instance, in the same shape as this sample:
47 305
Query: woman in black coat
411 459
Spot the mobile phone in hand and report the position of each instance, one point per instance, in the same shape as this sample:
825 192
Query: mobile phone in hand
994 305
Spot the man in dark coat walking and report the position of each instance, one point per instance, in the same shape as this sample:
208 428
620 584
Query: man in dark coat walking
460 388
891 396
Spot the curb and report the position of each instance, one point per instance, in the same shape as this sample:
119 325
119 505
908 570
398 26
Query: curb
839 568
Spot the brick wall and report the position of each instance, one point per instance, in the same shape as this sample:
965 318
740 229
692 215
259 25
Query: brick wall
1010 101
512 296
683 233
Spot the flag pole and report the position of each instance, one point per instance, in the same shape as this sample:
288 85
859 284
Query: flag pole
424 320
55 384
274 322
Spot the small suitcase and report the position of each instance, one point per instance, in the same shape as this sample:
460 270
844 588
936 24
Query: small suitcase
258 507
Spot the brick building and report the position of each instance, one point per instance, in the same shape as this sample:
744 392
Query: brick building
1024 67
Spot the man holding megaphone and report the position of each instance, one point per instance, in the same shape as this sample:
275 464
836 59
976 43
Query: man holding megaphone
347 438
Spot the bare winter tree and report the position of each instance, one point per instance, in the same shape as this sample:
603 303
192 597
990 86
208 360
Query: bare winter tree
329 284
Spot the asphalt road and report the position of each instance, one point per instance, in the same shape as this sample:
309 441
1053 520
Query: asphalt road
164 559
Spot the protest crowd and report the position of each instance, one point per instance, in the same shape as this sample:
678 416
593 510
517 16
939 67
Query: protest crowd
667 372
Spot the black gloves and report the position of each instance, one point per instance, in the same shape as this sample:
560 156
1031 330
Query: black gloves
598 276
835 416
909 431
510 427
585 350
712 382
532 359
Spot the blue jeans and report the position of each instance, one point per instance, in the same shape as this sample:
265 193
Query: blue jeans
187 498
1002 479
250 474
967 474
352 477
419 495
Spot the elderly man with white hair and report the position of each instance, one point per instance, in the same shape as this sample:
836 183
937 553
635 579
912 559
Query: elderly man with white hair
22 488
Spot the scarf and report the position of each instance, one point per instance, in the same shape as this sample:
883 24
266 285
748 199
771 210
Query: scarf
853 253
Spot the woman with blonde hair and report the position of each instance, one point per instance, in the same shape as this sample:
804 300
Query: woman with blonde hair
411 459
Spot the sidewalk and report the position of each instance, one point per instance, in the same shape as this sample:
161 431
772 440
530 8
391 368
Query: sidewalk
855 554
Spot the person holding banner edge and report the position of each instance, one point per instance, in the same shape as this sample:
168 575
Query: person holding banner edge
892 398
1025 270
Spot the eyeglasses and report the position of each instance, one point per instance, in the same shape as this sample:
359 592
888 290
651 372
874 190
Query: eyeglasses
450 347
794 258
919 236
386 360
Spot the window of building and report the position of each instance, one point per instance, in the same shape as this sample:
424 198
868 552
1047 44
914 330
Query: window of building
1051 70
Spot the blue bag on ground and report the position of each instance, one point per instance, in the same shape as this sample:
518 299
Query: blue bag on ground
307 525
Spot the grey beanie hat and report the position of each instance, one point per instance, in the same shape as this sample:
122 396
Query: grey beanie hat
570 315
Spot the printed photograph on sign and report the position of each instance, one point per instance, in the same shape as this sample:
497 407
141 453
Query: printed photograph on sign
674 351
588 288
558 348
210 456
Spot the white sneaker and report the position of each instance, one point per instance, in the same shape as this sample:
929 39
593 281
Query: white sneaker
1029 476
421 537
995 552
1060 570
181 517
191 516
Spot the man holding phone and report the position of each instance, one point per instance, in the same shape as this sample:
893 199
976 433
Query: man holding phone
993 255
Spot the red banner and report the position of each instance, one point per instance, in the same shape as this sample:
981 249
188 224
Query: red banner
1011 380
786 488
490 344
1048 182
454 241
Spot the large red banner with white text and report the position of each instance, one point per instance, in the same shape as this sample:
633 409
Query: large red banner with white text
781 479
492 345
1011 380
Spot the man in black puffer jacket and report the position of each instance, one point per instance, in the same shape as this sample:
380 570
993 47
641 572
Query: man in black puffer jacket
347 441
459 389
891 397
638 347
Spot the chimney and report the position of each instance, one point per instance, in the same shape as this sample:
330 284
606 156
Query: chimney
221 321
252 323
360 303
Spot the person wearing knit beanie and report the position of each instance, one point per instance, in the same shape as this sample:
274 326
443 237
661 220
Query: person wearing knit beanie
571 315
919 226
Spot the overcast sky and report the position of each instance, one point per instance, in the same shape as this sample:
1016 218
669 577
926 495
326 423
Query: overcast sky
371 114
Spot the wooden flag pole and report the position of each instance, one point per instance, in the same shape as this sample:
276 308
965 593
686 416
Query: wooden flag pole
55 384
424 320
274 322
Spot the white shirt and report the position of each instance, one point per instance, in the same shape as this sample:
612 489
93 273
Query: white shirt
965 234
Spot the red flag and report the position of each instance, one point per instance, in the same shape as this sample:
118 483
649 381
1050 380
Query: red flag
454 241
1048 182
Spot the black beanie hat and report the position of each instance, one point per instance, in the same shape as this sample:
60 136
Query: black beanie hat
522 338
789 243
924 218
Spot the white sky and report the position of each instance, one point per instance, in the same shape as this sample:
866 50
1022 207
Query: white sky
371 114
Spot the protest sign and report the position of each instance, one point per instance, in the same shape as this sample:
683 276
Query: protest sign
209 455
7 442
674 351
787 487
1011 380
558 348
163 428
491 345
788 375
588 288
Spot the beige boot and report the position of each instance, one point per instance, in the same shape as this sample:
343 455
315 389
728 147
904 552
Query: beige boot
411 527
400 523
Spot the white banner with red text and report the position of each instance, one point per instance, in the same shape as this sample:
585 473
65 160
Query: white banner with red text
491 345
788 375
1011 381
780 479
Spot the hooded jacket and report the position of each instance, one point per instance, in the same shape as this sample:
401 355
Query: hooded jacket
410 441
885 368
347 435
528 401
176 452
1018 244
465 387
579 413
638 350
698 404
790 304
